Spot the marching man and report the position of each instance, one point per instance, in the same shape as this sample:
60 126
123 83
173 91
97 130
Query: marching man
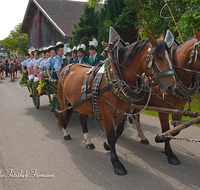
81 57
94 56
74 55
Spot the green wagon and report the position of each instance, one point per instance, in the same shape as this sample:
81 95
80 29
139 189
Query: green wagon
54 103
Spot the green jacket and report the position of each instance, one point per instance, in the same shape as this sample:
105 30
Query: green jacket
85 59
98 58
65 61
71 61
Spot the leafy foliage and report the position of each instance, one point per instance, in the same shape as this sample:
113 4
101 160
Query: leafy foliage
112 8
16 41
70 45
43 85
87 26
24 78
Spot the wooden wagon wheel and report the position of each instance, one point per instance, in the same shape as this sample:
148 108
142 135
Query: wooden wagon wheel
36 100
55 106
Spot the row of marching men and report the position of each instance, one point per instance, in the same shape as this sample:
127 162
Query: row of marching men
51 59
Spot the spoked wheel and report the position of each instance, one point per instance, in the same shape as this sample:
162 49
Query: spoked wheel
55 106
36 100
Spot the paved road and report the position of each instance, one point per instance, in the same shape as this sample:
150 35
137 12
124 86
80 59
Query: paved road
31 143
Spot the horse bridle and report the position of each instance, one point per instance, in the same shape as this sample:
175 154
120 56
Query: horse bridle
156 71
194 51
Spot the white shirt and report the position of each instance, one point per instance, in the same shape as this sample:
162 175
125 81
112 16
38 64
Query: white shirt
57 65
42 63
37 62
94 56
48 62
31 63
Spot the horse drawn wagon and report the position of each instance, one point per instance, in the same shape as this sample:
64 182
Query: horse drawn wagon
108 90
38 87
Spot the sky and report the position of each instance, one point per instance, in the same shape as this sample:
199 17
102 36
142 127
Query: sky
11 14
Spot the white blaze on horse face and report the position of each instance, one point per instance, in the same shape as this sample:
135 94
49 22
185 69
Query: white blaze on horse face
167 57
170 65
65 131
87 138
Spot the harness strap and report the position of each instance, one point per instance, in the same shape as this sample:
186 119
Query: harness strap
186 70
84 87
89 96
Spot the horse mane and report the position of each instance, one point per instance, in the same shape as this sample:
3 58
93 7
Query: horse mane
127 53
184 44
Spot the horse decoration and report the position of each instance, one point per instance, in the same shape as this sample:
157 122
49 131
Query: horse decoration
186 62
12 71
1 70
107 90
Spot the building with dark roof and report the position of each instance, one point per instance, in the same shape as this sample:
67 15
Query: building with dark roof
48 21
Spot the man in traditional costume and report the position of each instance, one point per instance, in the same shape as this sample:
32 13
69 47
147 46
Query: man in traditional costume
74 55
94 56
68 56
81 57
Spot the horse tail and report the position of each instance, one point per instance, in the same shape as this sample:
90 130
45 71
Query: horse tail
65 115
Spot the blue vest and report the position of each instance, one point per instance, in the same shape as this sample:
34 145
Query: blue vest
54 60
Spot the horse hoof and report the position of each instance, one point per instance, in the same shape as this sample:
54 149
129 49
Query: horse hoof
173 161
90 146
106 146
130 119
144 141
67 138
120 171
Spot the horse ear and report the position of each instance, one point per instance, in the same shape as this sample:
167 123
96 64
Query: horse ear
196 34
162 38
152 40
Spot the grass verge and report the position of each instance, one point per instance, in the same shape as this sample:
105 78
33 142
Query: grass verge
195 106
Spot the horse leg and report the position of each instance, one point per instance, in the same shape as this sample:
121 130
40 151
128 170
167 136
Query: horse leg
83 120
112 137
143 140
171 157
130 117
68 116
64 119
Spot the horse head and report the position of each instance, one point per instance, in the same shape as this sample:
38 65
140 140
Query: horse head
158 64
151 57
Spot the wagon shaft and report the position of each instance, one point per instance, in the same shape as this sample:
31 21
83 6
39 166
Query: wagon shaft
166 110
178 128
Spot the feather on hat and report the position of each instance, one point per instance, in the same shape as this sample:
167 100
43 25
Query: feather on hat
93 44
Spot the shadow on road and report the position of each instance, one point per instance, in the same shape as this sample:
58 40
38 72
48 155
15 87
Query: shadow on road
147 167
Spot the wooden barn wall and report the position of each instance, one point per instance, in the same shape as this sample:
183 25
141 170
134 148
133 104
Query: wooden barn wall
47 35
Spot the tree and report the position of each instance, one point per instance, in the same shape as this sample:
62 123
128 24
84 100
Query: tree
16 41
70 45
189 19
87 26
111 10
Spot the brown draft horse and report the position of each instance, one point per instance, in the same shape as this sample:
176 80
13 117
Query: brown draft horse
1 70
134 59
12 71
181 58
